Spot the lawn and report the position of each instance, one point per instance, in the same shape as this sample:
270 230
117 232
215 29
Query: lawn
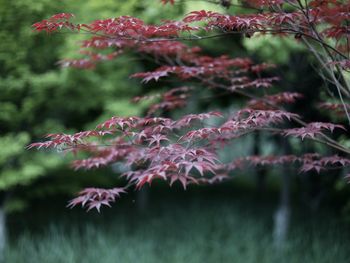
218 225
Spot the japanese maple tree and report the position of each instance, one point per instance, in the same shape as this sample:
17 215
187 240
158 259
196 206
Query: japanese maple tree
187 149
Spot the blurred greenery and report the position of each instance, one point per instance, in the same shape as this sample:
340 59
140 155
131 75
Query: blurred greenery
266 46
40 98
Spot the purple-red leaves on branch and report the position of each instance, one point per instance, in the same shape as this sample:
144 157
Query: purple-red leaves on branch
96 197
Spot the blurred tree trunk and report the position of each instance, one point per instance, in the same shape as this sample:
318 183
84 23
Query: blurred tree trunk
142 196
3 232
142 199
282 214
260 174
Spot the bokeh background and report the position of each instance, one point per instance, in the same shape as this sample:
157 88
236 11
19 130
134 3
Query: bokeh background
230 222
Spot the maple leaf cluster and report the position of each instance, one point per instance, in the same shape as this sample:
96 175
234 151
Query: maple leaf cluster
162 148
306 162
337 109
96 197
170 100
312 129
328 18
187 150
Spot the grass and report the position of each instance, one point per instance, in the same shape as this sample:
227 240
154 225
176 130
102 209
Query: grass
191 227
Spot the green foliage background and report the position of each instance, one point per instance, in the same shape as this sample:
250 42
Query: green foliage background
38 97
